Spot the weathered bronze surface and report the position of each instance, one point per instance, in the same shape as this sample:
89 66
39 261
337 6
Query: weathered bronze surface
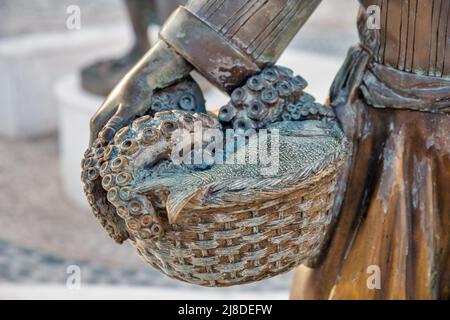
101 77
392 100
392 97
242 36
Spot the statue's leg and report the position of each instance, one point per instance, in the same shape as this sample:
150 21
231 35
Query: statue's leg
101 77
141 14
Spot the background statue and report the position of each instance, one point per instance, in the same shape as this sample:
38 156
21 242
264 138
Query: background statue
392 100
101 77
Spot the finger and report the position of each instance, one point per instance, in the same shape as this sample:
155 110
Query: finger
101 117
123 116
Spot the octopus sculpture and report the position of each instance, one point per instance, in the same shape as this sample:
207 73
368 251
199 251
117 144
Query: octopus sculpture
220 221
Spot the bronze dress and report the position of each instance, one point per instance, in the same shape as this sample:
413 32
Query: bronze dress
392 96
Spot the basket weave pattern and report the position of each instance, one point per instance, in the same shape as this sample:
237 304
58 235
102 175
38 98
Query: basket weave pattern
218 248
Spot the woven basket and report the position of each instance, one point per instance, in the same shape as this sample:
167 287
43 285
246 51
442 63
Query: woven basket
244 244
212 243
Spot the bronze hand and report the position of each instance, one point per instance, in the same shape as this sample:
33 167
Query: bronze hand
159 68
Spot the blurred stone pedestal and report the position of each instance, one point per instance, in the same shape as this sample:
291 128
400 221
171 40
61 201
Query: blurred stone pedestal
76 107
31 64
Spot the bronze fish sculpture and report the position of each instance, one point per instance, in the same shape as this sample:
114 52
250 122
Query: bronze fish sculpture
302 148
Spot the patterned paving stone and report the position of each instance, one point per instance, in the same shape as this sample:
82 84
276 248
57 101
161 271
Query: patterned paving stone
25 266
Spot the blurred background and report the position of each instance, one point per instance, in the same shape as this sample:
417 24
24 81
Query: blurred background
45 223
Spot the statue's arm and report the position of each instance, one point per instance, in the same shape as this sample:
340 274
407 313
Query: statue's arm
226 41
229 40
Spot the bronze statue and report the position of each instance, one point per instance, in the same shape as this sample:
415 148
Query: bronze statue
391 98
101 77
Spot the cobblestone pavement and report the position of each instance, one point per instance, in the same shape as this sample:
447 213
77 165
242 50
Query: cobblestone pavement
27 266
35 214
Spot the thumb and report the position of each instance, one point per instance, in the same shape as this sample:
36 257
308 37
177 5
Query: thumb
124 115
